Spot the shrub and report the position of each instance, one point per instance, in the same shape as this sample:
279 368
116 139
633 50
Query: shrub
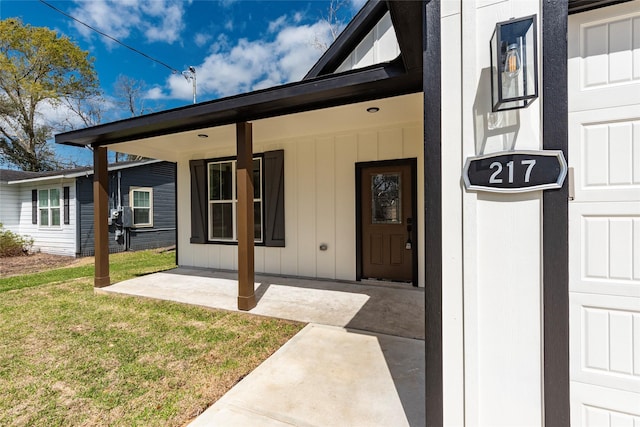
12 244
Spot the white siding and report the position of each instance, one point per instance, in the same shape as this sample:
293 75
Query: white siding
9 206
380 45
320 203
492 312
52 240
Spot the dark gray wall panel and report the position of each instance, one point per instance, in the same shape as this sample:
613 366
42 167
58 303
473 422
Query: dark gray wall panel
159 176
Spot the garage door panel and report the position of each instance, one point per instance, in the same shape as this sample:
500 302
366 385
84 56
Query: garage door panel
603 255
603 407
604 215
605 344
604 147
604 58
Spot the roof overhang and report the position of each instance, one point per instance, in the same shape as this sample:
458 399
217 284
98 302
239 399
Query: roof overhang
376 82
78 174
341 120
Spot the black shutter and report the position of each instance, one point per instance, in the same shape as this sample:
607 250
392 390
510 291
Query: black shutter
34 206
65 196
199 202
274 198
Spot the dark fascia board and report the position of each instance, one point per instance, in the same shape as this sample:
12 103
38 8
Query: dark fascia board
576 6
407 22
376 82
349 38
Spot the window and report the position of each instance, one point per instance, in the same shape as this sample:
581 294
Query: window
49 207
268 199
223 200
141 202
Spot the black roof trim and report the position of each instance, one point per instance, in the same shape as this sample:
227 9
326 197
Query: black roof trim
407 22
375 82
576 6
349 38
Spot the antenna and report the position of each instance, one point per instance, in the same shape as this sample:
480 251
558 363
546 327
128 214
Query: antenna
190 75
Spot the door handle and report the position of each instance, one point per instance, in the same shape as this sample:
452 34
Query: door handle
408 245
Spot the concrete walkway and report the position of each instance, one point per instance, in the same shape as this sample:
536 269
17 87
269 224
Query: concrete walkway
359 362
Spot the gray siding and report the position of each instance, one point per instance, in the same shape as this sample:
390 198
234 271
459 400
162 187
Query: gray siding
161 177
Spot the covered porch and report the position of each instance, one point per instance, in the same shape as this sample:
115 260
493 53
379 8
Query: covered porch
387 308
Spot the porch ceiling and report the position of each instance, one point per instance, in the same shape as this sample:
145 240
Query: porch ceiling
187 145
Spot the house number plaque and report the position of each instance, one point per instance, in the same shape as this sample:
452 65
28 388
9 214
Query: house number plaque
515 171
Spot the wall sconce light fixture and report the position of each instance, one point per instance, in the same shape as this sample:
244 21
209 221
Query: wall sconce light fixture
514 64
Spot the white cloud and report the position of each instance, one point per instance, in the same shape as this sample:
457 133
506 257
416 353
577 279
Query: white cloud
252 64
277 24
201 39
158 20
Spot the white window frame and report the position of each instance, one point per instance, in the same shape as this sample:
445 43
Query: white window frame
149 190
49 208
234 200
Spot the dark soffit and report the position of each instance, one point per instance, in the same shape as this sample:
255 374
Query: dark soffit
576 6
375 82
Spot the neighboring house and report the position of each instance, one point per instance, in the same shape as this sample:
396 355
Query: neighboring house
56 208
358 173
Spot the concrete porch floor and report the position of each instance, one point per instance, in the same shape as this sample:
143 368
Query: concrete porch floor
359 362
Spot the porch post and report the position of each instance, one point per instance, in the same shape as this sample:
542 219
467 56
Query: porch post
244 144
100 213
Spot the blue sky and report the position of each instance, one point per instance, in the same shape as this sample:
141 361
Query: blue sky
234 45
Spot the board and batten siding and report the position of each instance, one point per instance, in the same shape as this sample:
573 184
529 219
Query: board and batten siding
158 176
59 240
320 203
380 45
491 261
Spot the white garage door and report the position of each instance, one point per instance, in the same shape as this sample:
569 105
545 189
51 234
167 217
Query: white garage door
604 217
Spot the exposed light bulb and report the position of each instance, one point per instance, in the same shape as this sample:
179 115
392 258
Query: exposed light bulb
512 62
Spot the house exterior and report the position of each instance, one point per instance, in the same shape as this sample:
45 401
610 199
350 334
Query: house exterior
56 208
356 172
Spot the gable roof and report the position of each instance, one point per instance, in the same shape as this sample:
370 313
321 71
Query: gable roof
407 23
324 91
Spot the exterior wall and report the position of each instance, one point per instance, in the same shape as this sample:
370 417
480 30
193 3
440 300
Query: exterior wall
380 45
492 312
52 240
160 177
10 206
320 202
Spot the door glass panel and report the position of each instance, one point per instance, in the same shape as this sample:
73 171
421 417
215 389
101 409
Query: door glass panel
386 198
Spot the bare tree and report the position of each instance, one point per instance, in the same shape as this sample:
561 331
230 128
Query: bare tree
129 94
334 22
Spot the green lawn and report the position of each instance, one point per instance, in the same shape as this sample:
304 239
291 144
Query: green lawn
72 357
